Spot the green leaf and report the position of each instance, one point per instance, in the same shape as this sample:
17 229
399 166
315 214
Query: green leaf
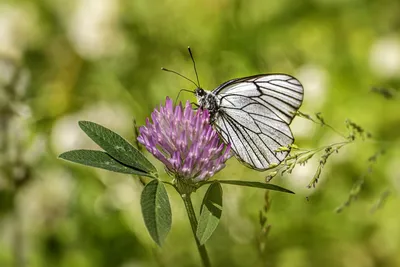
210 213
256 184
156 210
117 146
100 159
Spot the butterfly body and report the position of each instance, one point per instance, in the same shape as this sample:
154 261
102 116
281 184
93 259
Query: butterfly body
253 115
208 100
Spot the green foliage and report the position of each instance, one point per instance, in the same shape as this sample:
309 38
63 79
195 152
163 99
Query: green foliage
100 61
299 156
356 130
156 211
120 156
256 185
263 221
210 212
358 185
388 93
381 201
100 159
117 147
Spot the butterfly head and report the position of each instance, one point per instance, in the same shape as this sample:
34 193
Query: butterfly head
202 97
207 100
200 92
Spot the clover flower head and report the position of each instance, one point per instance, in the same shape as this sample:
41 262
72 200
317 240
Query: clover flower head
184 141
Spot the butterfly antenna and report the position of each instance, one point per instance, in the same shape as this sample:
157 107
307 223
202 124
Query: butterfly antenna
182 90
177 73
194 66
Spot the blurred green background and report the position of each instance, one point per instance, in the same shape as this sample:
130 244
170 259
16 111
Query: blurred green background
99 60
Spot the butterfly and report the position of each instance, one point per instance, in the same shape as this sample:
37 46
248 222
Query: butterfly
253 115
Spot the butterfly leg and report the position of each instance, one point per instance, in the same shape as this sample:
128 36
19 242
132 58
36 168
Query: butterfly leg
182 90
196 106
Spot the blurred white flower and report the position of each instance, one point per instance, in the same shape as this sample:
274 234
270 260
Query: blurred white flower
302 128
36 150
121 192
66 134
16 28
384 57
46 199
301 177
124 192
314 80
93 28
7 68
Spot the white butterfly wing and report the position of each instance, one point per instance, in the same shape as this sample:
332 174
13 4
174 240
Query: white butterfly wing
254 116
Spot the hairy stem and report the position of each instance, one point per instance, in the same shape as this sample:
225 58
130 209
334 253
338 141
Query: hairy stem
193 223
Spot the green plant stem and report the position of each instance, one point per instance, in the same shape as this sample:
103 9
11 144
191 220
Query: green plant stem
193 223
